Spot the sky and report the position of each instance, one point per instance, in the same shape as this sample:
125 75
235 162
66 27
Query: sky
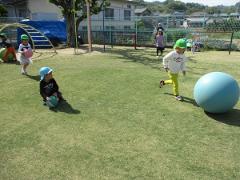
207 2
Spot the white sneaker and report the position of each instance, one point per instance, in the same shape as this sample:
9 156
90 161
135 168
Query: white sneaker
179 98
23 72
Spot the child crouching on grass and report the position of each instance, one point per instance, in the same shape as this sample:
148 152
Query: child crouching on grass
49 87
173 63
9 48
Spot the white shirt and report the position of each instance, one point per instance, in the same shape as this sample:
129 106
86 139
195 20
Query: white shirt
21 49
21 57
174 62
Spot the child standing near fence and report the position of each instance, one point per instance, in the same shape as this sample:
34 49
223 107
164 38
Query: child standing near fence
24 50
159 42
173 63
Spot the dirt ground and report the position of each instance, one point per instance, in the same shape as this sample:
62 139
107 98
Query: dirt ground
83 50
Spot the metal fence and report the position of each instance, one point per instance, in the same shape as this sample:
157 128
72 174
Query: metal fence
8 20
218 41
140 31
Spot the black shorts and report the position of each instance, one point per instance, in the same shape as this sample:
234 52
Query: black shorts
160 48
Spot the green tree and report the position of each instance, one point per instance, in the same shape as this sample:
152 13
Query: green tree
3 11
177 6
237 5
168 2
77 9
214 10
194 7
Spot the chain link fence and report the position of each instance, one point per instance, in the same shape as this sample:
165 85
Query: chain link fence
214 32
8 20
140 31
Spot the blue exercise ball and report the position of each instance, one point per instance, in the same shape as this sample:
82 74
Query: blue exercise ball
216 92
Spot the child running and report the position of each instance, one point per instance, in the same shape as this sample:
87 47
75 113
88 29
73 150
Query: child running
23 47
173 63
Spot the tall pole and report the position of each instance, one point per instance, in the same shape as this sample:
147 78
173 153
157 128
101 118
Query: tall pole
230 45
103 26
75 28
89 26
204 20
136 32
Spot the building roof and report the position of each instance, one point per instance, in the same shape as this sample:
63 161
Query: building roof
196 19
223 14
234 14
140 10
13 2
199 13
177 13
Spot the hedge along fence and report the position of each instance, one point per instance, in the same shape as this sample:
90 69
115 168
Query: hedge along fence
219 41
218 44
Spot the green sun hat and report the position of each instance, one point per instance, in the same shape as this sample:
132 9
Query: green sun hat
180 43
24 37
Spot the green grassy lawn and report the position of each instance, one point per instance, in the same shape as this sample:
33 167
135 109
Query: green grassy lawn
117 122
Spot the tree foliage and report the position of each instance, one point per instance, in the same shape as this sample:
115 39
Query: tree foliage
3 11
176 6
227 25
76 10
194 7
170 6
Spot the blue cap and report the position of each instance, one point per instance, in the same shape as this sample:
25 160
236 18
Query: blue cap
44 71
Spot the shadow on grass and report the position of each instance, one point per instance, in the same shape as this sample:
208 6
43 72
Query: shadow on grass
64 106
128 54
10 62
186 100
36 77
146 57
141 56
231 118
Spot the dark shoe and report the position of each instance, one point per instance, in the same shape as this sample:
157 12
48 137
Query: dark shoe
61 99
161 84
